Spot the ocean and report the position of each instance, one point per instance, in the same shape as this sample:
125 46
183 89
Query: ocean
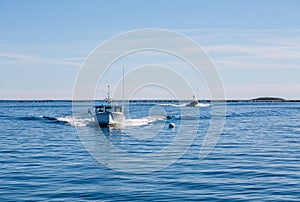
47 154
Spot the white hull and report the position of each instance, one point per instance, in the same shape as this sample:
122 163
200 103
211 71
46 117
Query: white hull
109 118
193 104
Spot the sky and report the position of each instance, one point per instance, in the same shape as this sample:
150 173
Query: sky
254 44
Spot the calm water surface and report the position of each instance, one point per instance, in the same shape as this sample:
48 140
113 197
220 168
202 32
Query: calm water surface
257 157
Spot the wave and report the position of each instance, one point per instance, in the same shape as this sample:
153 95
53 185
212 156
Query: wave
75 121
29 118
143 121
257 113
185 105
202 105
82 122
179 117
173 105
69 120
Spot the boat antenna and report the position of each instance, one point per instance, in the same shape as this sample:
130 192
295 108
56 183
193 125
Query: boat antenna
108 96
123 85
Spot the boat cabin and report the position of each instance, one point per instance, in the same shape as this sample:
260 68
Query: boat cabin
108 108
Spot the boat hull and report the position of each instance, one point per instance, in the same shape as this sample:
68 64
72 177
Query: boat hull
109 118
193 103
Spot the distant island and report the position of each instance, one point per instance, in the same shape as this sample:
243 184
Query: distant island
268 99
264 99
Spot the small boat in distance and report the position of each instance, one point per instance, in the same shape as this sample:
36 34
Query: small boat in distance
108 113
193 103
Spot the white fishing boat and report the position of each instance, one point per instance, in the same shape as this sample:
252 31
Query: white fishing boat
108 113
193 103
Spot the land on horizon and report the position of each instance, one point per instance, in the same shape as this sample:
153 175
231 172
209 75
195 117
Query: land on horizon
259 99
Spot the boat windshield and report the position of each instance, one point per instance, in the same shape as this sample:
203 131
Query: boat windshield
99 109
118 109
108 109
102 109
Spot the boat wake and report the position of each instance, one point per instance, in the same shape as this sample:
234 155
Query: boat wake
143 121
173 105
68 120
82 122
199 105
185 105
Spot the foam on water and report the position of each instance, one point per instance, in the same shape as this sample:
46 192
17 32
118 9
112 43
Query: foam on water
185 105
142 121
202 105
172 105
75 121
82 122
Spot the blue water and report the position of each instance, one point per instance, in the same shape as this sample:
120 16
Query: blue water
257 157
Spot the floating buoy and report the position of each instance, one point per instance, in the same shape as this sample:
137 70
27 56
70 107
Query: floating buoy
171 125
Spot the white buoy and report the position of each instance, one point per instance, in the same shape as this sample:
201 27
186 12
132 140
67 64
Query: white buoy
171 125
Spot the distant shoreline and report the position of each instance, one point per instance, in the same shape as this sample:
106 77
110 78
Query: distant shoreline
260 99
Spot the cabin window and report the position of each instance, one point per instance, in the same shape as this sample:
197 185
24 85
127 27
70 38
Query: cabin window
118 109
99 110
108 109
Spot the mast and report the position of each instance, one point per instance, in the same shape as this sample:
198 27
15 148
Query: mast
123 85
108 95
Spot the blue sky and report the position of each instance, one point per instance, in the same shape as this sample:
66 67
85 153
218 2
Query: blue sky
255 44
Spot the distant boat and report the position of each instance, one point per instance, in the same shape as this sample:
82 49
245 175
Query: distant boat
193 103
108 113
